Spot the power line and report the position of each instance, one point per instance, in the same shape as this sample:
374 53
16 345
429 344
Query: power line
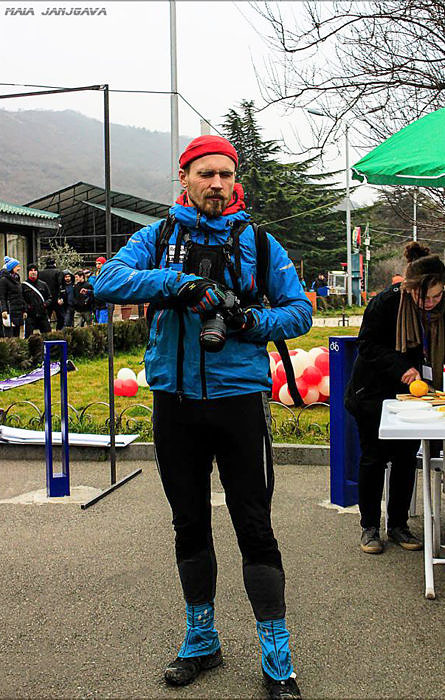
141 92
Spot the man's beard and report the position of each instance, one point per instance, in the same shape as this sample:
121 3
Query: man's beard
214 207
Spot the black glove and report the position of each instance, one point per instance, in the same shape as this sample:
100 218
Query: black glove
201 295
242 319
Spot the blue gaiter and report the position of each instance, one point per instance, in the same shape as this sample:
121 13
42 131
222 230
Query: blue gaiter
201 638
274 640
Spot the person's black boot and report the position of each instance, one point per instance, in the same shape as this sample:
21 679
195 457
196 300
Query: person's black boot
184 670
405 538
281 689
370 541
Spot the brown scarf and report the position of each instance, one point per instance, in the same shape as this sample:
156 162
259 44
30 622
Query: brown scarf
409 333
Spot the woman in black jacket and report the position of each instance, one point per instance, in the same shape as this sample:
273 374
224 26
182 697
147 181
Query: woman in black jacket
401 339
12 304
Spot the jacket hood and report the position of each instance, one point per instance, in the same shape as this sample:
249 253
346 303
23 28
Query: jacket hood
193 219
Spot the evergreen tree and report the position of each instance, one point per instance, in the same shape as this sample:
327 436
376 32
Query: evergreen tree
297 206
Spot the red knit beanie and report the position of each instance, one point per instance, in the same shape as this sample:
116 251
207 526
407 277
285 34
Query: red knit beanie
101 260
206 145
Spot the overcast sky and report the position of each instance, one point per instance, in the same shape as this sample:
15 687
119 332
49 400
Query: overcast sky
220 44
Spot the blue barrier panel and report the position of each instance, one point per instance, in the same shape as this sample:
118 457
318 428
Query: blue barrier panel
345 446
56 484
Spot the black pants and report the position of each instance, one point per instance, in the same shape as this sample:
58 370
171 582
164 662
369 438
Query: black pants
40 323
375 455
187 436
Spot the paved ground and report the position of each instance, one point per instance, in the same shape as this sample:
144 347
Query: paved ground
90 605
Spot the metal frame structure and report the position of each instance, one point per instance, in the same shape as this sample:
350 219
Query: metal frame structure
56 484
107 178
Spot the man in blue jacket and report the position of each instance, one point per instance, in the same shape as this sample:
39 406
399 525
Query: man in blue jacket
213 403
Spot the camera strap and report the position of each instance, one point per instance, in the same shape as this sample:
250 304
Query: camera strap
263 261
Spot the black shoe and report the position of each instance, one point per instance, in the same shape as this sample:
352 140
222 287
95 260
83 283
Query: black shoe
370 541
405 538
183 671
281 689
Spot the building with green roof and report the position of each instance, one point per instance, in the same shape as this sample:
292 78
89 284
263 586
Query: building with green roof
21 229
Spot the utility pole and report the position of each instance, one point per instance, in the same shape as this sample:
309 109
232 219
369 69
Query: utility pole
348 218
174 112
367 244
415 214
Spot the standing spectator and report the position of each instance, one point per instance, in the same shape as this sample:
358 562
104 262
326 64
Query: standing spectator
66 299
53 278
37 299
12 303
83 300
101 311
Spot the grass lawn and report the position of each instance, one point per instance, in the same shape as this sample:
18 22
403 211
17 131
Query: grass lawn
90 384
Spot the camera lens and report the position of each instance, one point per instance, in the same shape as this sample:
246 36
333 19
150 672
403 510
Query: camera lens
213 334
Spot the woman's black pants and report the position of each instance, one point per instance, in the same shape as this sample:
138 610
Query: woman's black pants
188 435
375 456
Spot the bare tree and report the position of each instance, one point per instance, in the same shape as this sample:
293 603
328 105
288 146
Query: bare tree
381 62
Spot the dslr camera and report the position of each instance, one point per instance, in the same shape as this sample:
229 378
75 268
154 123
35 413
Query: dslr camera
214 328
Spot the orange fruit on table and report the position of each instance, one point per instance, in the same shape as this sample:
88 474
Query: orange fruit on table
418 388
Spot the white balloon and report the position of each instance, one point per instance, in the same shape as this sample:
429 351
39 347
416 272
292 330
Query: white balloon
315 352
323 387
285 397
300 361
141 378
126 373
312 395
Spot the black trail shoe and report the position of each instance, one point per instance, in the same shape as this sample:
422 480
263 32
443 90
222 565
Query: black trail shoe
370 541
281 689
183 671
405 538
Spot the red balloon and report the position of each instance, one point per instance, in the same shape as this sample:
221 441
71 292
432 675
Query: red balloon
324 349
302 387
130 387
312 376
276 356
323 399
280 374
119 387
322 363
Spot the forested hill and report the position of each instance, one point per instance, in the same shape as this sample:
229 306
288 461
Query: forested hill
43 151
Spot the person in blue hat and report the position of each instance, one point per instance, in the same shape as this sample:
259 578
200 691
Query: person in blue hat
12 303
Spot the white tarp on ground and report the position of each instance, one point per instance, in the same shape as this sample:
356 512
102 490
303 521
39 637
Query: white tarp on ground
18 436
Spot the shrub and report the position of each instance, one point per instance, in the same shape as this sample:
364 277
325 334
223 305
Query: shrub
88 342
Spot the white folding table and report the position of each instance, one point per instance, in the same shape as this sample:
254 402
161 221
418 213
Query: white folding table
392 427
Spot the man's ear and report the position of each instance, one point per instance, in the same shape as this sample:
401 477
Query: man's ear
183 178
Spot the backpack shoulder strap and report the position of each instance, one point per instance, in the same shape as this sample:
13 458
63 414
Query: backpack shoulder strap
262 258
163 236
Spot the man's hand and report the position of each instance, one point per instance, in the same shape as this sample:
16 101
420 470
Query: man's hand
60 302
410 375
201 295
83 291
242 320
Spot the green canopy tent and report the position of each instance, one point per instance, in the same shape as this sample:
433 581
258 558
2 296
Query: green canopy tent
415 155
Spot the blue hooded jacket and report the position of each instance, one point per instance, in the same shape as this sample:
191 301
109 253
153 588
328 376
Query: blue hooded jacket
242 366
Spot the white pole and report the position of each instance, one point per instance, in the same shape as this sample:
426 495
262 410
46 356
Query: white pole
415 215
174 118
348 219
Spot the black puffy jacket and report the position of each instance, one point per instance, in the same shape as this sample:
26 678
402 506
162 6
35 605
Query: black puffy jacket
35 305
53 278
11 297
379 366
